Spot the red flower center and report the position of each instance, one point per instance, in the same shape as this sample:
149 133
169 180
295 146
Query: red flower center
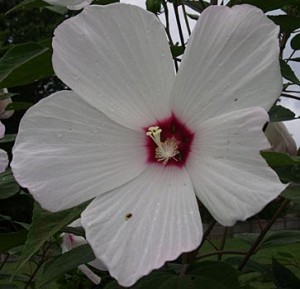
168 142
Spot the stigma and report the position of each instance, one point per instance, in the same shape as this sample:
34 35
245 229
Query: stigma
165 150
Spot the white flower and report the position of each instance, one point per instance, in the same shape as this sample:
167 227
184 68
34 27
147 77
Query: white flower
70 4
280 139
144 142
71 241
3 154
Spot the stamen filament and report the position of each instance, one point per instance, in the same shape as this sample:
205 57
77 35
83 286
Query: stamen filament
165 150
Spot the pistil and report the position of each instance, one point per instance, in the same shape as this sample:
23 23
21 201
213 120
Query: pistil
165 150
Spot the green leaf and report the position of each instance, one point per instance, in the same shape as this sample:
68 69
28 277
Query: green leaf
295 42
287 23
8 185
9 286
296 59
251 266
220 272
27 4
279 159
177 50
105 2
18 105
64 263
280 113
25 63
7 95
78 231
271 239
288 73
8 138
153 6
198 6
266 6
12 240
292 192
44 226
57 9
283 278
208 275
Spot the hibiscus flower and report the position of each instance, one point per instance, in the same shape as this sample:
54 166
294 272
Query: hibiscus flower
144 142
71 241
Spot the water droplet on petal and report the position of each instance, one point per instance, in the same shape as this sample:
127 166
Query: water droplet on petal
59 135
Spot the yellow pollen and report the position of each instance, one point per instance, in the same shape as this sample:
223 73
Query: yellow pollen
165 150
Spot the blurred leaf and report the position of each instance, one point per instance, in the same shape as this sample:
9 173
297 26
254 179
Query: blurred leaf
288 174
18 105
25 63
264 5
292 192
295 42
193 16
27 4
280 159
64 263
280 113
296 59
251 266
44 226
153 6
105 2
7 95
12 240
288 73
177 50
224 274
8 185
8 138
275 238
283 278
287 23
58 9
207 274
9 286
198 6
78 231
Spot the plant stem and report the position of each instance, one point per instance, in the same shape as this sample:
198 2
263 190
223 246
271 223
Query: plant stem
186 19
290 96
206 233
262 234
290 56
223 252
175 6
39 265
5 260
222 243
166 11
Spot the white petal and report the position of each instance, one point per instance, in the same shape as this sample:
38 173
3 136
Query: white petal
67 152
141 225
70 4
90 274
2 130
230 177
117 59
3 161
231 63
